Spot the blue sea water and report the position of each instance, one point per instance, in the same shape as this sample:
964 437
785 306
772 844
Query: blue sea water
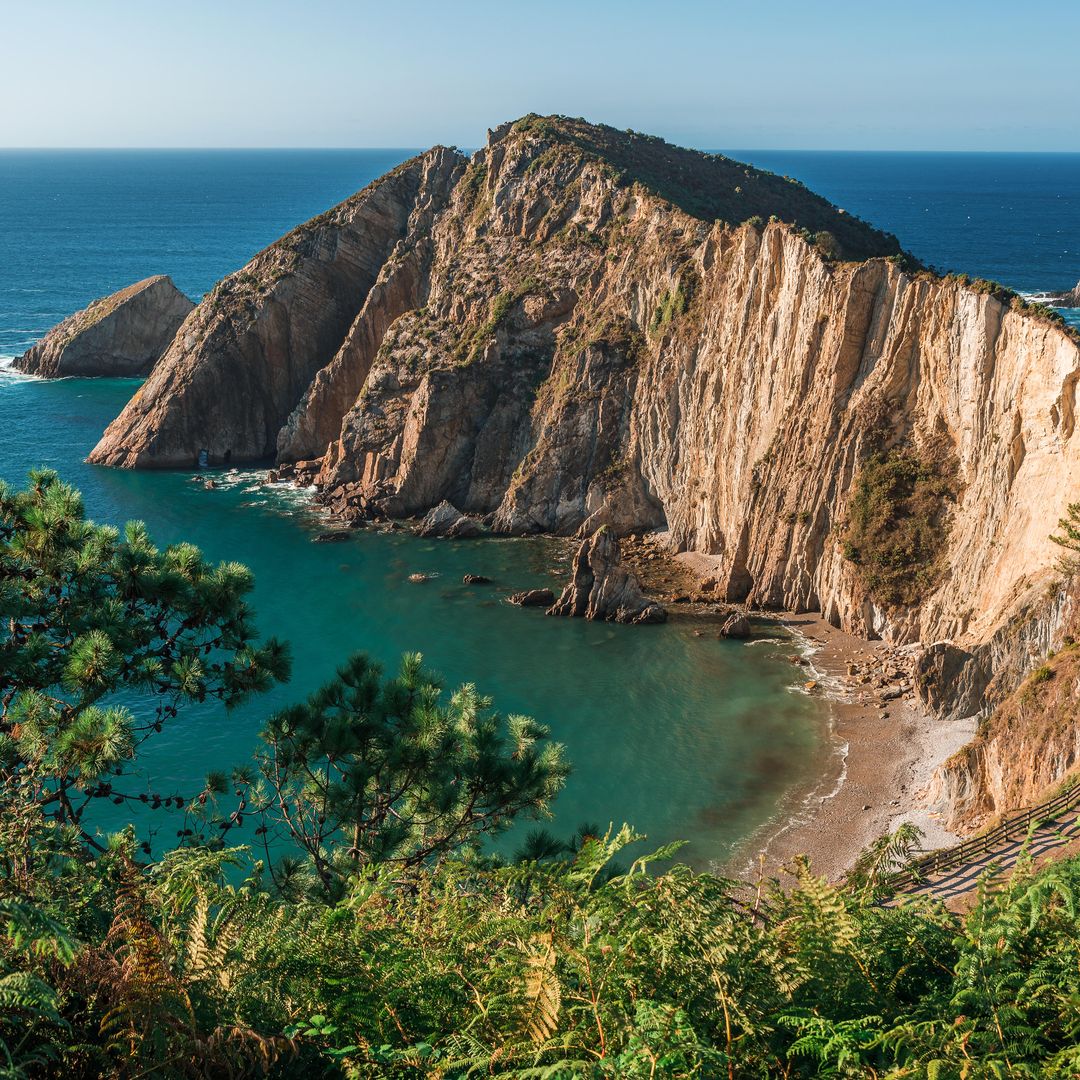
681 734
1013 218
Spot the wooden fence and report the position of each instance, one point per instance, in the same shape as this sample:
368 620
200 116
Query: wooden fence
918 870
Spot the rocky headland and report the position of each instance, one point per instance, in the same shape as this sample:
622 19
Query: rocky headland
124 334
581 329
1070 299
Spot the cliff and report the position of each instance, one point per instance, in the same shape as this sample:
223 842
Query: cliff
123 334
583 327
1026 747
245 356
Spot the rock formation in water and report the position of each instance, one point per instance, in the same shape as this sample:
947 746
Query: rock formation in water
1070 299
602 587
123 334
532 598
581 327
448 521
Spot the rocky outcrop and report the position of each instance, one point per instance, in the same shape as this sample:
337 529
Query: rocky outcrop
1069 299
951 682
1029 745
532 598
585 327
736 625
248 353
123 334
602 587
447 520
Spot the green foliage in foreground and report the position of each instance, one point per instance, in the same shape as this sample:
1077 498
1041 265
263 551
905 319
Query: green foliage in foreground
534 970
388 945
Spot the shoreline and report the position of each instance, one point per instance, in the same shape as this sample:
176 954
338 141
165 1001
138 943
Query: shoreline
884 750
883 756
884 747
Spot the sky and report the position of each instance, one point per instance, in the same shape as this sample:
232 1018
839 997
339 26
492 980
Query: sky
908 75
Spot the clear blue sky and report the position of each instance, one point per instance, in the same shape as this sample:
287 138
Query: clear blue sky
905 74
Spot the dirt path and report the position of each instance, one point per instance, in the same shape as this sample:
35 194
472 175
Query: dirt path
1051 840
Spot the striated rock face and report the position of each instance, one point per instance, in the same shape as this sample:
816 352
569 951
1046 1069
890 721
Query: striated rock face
601 586
248 353
575 331
1031 743
121 335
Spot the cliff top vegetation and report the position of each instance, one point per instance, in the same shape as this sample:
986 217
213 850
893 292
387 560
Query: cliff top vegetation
710 186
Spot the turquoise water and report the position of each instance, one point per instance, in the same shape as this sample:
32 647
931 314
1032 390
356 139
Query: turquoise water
686 737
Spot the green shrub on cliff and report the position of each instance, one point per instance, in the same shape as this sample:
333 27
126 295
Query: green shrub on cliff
1068 537
897 522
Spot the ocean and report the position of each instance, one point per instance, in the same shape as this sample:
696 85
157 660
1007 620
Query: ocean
680 734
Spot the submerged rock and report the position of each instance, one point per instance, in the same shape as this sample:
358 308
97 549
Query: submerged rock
532 598
447 520
123 334
475 579
603 588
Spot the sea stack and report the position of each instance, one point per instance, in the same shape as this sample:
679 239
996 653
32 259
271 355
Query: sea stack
603 588
123 334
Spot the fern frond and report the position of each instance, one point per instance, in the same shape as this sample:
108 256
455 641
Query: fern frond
542 995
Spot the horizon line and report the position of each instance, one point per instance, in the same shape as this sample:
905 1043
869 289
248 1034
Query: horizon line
470 150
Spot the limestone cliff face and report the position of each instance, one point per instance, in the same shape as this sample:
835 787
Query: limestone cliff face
247 354
573 332
588 354
120 335
1029 744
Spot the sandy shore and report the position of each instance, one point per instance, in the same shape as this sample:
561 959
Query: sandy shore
883 753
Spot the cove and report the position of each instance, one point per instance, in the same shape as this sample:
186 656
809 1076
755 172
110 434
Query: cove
683 736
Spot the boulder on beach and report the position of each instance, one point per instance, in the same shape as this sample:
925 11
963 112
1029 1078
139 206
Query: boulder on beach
601 586
447 520
124 334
